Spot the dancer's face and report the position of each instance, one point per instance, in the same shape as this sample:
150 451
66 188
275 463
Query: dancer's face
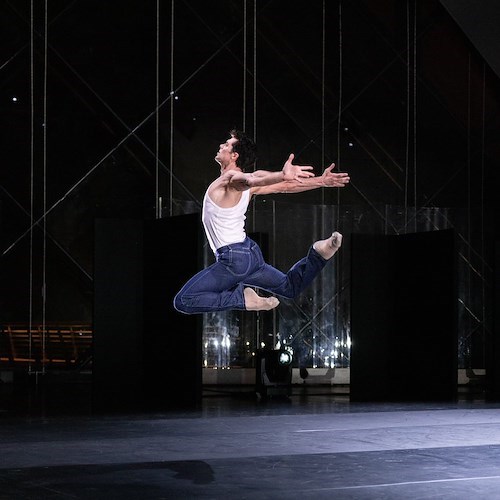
226 155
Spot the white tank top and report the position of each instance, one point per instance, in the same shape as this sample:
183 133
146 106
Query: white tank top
225 226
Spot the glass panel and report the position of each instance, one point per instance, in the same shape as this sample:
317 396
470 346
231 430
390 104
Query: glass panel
316 325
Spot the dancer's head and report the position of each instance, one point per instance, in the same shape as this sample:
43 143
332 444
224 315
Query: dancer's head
246 149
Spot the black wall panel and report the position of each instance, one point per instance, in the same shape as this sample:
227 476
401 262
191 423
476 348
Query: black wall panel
146 355
172 340
404 317
117 341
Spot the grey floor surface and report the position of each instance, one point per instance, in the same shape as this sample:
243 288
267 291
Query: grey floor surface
310 446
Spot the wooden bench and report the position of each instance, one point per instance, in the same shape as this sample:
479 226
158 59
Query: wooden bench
53 344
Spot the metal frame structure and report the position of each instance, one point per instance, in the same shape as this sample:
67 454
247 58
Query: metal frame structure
312 79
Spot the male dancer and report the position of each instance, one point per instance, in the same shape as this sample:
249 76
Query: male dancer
227 284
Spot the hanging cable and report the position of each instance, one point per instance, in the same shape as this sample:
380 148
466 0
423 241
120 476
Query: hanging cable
415 113
469 154
323 75
244 65
407 149
258 337
339 118
172 92
254 90
469 205
338 267
157 120
255 70
45 126
483 281
32 177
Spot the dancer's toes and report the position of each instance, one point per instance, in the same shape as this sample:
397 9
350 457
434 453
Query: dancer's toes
254 302
270 303
336 240
327 248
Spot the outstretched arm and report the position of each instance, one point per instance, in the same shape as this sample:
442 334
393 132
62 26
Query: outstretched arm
296 174
327 180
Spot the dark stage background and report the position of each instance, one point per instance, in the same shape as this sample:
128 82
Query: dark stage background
115 110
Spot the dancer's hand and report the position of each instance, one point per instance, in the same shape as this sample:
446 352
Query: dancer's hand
331 179
297 173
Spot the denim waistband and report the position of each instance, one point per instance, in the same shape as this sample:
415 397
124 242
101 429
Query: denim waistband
246 243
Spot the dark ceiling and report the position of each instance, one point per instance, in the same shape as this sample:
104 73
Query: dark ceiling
417 127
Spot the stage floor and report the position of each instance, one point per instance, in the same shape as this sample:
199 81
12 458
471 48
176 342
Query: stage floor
314 445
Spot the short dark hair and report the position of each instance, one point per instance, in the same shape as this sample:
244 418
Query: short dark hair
246 149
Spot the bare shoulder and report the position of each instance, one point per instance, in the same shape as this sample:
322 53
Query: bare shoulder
222 191
220 184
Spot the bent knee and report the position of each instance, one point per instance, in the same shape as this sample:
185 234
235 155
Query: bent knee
179 304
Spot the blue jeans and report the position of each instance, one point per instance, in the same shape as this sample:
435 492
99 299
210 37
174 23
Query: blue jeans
220 286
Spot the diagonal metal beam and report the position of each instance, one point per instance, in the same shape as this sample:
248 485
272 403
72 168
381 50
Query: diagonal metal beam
285 110
312 320
54 240
131 133
51 22
79 77
398 57
82 179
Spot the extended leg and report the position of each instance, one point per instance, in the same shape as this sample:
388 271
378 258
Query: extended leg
301 274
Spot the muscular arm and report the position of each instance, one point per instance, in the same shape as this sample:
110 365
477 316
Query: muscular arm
327 180
290 173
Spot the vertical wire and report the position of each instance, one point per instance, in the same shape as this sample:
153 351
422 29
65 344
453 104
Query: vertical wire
339 166
323 75
323 189
258 316
157 120
469 154
273 246
469 221
415 114
254 92
32 176
244 65
44 272
172 25
407 154
483 288
255 70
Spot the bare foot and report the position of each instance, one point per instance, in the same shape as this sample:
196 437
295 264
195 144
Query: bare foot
254 302
327 248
